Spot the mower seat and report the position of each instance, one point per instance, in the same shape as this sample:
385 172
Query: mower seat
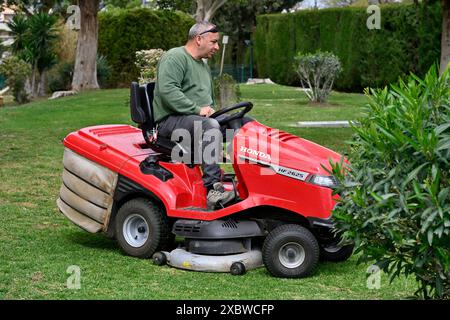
141 104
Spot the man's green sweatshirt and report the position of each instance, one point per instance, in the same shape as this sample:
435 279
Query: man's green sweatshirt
183 84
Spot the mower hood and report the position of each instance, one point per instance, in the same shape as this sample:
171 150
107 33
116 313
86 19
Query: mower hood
278 149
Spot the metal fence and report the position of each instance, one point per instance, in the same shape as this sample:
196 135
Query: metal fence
241 73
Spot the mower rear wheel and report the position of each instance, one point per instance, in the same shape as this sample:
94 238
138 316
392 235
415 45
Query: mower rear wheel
142 228
290 251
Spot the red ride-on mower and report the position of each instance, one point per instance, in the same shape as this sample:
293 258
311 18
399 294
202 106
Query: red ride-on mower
123 181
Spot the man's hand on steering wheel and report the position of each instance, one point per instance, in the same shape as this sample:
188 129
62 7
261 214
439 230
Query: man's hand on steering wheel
238 115
206 111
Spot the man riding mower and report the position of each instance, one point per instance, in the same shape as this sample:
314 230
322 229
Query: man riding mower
120 180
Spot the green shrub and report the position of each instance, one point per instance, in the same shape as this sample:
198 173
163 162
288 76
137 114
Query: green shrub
395 194
123 32
409 40
147 62
16 72
103 71
317 73
60 77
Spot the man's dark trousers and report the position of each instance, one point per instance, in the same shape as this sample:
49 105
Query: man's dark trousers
211 171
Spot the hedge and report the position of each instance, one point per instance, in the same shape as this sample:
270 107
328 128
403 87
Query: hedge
408 41
123 32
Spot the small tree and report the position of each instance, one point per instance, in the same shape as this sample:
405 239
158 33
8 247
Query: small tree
395 195
226 91
317 72
147 62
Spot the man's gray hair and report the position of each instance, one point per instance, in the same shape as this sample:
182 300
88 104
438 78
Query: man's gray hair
198 28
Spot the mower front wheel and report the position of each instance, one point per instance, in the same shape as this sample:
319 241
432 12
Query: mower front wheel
159 259
334 253
290 251
141 228
237 269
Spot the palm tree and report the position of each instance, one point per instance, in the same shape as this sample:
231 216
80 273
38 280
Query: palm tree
19 29
43 38
34 42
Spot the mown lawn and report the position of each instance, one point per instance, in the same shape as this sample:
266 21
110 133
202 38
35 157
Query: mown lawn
37 244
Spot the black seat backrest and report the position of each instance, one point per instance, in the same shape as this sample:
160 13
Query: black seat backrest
141 105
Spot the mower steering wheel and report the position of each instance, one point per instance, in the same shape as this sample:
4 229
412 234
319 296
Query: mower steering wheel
247 105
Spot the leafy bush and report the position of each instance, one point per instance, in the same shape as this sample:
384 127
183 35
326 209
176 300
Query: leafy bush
103 71
123 32
147 61
226 91
60 77
395 194
66 47
16 71
317 72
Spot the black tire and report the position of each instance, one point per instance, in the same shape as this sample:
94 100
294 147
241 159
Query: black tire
159 259
237 269
290 251
154 228
334 253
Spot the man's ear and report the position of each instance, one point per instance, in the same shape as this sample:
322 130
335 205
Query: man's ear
198 40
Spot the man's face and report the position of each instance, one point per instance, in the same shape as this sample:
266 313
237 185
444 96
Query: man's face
208 44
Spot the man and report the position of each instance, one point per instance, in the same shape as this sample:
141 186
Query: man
183 98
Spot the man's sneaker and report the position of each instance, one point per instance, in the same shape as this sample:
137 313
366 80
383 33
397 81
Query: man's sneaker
217 195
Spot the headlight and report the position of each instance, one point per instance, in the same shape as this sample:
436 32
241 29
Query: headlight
324 181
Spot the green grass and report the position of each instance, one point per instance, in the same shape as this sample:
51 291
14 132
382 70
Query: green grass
37 244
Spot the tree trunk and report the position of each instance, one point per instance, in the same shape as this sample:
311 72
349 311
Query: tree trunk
445 41
206 9
200 12
42 87
33 80
27 87
85 71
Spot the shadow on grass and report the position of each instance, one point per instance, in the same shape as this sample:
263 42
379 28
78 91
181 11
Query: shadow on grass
319 104
336 268
94 241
